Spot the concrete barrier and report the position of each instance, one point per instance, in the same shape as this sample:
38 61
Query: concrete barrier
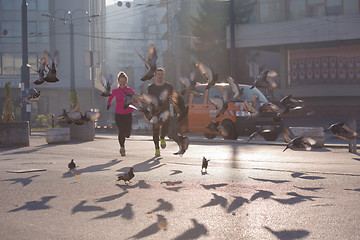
57 135
316 133
85 132
14 134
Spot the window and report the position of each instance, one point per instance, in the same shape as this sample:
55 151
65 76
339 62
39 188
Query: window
296 9
315 8
33 62
199 99
247 11
31 4
11 63
270 11
333 7
351 7
214 92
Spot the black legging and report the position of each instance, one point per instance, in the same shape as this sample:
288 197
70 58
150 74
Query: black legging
164 131
123 123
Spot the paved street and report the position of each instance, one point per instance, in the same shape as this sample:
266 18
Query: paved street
251 191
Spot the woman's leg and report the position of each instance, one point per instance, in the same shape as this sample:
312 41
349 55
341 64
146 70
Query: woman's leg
119 120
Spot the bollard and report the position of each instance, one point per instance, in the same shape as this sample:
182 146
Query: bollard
352 142
52 121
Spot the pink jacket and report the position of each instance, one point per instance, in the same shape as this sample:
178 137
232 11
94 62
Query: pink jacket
119 95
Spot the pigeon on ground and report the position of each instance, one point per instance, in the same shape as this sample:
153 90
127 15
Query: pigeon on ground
150 63
106 82
265 80
208 74
221 104
304 143
52 64
33 94
179 105
127 176
71 165
235 89
183 143
342 131
205 163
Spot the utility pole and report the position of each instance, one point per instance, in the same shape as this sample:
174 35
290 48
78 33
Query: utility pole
72 58
232 40
25 71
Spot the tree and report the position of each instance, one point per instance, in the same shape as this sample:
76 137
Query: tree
8 113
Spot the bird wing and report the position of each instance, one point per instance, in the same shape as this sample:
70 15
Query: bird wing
56 59
309 141
103 80
272 74
218 102
185 82
92 116
178 102
205 71
147 64
234 88
287 134
250 108
164 95
271 83
152 56
150 99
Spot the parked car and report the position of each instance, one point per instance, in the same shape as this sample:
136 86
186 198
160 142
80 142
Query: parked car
236 119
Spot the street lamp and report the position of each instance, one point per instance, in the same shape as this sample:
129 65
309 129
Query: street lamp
68 17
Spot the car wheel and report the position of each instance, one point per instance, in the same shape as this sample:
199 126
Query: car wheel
230 127
210 136
271 136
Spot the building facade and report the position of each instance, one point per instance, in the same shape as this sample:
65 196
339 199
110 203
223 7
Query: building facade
316 44
49 23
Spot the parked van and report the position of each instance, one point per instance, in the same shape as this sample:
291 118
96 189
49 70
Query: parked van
236 119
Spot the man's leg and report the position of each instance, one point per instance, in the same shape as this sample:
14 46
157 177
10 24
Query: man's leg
156 140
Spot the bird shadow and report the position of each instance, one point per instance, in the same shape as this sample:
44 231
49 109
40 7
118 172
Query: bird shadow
171 183
146 166
23 181
150 230
237 203
35 149
126 213
355 189
163 206
140 184
357 159
93 168
174 189
196 231
216 200
82 208
288 234
296 198
312 189
261 194
269 180
35 205
213 186
112 197
174 172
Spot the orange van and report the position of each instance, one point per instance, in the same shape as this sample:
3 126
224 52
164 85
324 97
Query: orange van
236 119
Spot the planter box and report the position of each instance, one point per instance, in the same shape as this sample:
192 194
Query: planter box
14 134
316 133
84 132
58 135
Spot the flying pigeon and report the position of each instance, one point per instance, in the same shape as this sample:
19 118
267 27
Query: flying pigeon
304 143
259 132
33 94
43 69
130 99
205 163
183 143
106 82
127 176
216 126
265 80
208 74
189 84
71 165
150 63
52 64
235 89
290 102
221 104
342 131
179 105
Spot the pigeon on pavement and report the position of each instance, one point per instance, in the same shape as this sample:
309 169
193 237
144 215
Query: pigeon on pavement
127 176
204 165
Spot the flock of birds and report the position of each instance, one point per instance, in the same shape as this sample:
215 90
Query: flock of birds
154 113
47 73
